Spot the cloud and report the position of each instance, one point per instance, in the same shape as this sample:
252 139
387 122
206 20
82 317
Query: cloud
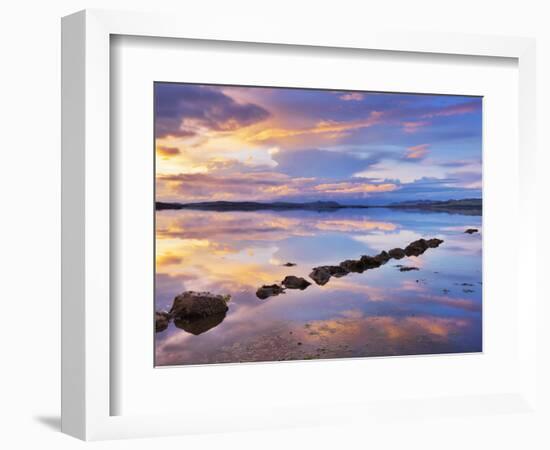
417 151
167 152
413 127
171 127
167 259
263 186
453 110
458 163
467 178
354 188
242 179
352 96
323 163
184 110
322 127
431 188
304 145
204 186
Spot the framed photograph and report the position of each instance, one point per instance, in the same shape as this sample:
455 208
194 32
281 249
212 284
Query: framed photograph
282 225
328 200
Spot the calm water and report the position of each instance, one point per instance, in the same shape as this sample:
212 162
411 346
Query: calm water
383 311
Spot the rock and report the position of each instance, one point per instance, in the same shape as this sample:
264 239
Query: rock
369 262
408 269
416 248
383 257
292 282
162 319
289 264
337 271
196 305
352 265
434 243
397 253
320 275
471 230
199 326
269 290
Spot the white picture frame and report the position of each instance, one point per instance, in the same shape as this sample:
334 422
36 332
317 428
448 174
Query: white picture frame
86 215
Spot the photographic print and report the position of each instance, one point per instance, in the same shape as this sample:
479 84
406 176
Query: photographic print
299 224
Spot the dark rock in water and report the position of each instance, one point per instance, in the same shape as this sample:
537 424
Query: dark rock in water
471 230
337 271
416 248
434 243
369 262
292 282
467 291
162 319
196 305
383 257
199 326
397 253
408 269
269 290
352 265
289 264
320 275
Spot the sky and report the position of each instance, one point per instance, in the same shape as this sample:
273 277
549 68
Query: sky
237 143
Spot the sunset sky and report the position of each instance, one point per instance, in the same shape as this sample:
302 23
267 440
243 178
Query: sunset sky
274 144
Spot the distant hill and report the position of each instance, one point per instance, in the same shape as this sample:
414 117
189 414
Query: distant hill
469 206
254 206
463 203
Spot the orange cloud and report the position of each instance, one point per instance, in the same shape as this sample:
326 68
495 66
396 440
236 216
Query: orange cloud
167 152
325 126
354 225
168 259
417 151
413 127
263 185
354 188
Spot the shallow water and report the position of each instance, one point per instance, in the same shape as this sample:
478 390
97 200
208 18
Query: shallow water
380 312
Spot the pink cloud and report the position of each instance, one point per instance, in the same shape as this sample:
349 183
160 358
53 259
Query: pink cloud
453 110
259 186
354 188
417 151
413 127
352 96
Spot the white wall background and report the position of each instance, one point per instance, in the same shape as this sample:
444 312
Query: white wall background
29 225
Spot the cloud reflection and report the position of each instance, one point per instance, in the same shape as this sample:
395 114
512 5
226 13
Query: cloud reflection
379 312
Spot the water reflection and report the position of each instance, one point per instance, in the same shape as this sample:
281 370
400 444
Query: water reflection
199 326
378 312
